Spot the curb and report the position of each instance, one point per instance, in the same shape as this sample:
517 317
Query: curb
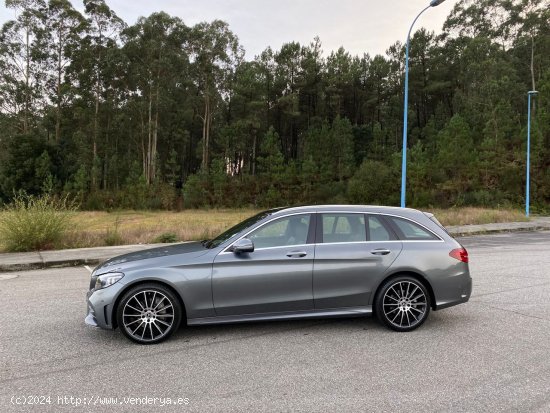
50 264
460 234
66 258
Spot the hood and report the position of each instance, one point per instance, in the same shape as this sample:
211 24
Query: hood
193 248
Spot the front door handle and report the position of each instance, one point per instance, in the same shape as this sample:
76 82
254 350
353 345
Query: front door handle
380 251
296 254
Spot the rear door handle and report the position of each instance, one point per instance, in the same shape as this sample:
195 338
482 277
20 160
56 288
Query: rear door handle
296 254
380 251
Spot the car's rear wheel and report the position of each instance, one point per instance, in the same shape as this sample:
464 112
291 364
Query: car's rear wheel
402 303
149 313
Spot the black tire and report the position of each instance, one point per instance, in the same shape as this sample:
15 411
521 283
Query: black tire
402 303
149 313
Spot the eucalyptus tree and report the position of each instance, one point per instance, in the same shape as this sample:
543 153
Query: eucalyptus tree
96 48
533 20
246 118
63 29
21 62
287 88
312 83
214 52
157 62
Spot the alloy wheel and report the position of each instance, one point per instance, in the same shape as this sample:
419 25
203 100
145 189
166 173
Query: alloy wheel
148 316
405 304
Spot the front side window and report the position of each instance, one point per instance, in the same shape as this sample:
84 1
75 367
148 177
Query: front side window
231 232
343 228
292 230
409 231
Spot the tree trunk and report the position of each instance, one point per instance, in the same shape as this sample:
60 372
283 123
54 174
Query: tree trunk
206 132
27 75
143 151
155 139
254 145
106 159
533 70
58 106
149 136
96 115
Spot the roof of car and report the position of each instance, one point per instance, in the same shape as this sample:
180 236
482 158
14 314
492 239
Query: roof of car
347 208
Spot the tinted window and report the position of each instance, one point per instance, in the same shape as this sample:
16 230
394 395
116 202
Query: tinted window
408 230
343 228
291 230
377 230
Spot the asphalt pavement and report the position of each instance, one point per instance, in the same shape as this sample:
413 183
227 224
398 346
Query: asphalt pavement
491 354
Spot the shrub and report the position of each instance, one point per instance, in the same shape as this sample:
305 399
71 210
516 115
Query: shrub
166 238
35 222
113 238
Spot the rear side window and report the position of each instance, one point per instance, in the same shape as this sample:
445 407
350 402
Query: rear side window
343 228
377 230
409 231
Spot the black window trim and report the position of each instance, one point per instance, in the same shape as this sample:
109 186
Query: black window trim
384 219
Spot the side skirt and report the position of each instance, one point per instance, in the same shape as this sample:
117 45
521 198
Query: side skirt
289 315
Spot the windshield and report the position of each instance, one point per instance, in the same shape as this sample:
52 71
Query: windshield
231 232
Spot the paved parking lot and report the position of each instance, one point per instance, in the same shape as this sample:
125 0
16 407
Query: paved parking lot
491 354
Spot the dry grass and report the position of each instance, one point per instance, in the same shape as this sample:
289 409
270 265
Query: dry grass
93 229
135 227
473 215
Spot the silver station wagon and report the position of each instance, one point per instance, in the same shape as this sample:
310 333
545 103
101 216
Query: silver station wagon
287 263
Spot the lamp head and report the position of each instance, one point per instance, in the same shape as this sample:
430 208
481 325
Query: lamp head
435 3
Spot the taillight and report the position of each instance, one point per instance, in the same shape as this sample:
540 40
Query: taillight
459 254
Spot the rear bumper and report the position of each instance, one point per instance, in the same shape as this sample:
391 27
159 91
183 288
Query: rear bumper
465 293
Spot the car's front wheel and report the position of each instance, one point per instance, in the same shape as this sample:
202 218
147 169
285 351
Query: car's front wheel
149 313
402 303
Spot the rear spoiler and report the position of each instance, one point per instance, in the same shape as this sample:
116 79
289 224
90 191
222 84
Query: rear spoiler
435 220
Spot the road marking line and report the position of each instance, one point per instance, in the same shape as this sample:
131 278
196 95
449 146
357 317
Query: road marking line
88 268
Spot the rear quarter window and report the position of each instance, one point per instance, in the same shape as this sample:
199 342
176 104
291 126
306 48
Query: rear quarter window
410 231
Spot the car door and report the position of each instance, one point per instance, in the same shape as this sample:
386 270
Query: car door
353 251
276 277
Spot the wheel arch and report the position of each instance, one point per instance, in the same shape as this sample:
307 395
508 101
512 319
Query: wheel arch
416 275
139 282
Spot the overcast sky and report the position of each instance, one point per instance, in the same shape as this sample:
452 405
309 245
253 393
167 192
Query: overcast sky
358 25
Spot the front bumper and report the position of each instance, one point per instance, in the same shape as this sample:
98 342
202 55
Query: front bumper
100 306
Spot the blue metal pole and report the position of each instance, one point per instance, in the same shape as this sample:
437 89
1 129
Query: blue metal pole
528 178
528 166
406 111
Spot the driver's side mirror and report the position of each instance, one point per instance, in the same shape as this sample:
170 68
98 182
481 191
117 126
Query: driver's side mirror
242 246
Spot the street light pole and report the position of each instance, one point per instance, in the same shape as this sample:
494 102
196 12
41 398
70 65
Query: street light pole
433 3
528 167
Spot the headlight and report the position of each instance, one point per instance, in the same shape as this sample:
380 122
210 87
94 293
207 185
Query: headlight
108 279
